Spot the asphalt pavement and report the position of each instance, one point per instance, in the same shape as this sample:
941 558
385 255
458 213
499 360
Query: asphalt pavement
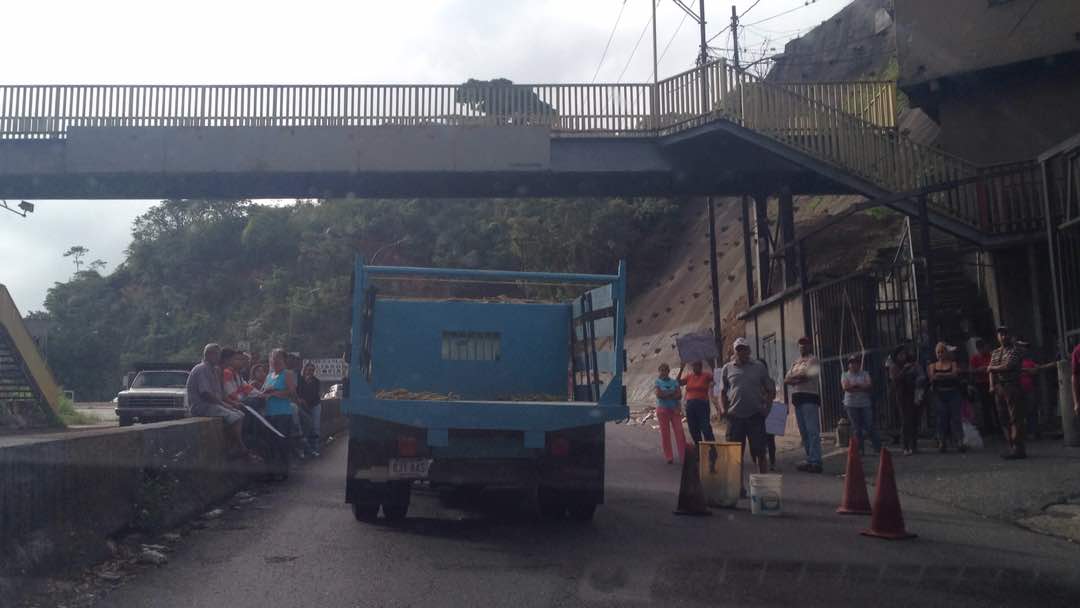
297 544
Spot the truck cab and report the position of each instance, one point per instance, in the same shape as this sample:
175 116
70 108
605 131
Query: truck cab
480 392
153 395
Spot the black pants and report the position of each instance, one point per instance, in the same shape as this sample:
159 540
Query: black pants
697 419
990 422
910 412
278 462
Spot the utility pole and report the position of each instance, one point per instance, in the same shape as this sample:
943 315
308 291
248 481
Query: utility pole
703 55
654 110
715 278
655 77
735 37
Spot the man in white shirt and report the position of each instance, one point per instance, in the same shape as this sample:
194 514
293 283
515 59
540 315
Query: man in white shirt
806 399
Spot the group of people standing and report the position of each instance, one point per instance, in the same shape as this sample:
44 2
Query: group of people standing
1000 381
226 384
744 392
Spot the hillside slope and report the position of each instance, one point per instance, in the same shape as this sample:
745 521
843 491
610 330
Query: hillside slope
679 301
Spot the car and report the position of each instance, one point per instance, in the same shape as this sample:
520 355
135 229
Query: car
153 396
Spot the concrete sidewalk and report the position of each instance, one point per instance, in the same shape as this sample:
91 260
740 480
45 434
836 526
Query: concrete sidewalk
1041 493
980 482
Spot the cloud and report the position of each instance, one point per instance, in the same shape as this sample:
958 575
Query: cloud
31 248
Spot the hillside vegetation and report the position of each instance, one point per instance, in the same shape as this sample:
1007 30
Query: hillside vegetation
233 271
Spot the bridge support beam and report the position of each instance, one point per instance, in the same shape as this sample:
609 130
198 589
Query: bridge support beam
787 237
764 247
927 293
714 277
748 251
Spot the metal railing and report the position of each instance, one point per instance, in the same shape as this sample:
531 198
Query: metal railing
869 100
808 122
50 111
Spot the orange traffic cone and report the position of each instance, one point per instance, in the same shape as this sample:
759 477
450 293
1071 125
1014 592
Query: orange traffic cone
887 521
691 493
856 500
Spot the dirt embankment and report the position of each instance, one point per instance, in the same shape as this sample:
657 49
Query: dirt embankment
679 300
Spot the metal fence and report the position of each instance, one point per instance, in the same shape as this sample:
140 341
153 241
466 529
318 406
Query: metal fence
1061 181
866 314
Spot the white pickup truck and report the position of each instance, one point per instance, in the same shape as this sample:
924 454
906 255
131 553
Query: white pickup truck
154 395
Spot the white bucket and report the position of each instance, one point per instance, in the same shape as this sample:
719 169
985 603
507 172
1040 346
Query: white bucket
765 494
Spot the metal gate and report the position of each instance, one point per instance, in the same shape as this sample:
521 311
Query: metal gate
1061 177
867 314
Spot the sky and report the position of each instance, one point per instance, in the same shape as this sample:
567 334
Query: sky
328 42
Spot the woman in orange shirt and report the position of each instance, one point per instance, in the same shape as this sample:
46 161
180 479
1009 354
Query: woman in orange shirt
698 384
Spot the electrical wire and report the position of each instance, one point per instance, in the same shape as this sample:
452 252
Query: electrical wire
636 45
672 39
611 37
801 6
756 2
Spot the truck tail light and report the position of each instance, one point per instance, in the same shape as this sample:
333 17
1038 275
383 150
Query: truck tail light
406 446
560 447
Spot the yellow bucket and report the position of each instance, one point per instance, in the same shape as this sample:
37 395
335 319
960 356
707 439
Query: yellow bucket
720 468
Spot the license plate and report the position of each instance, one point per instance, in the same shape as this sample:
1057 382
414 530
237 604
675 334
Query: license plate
409 468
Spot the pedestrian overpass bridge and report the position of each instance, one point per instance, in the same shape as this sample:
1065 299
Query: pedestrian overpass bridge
714 130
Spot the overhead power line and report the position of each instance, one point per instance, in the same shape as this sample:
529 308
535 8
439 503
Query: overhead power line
672 39
801 6
611 37
756 2
633 52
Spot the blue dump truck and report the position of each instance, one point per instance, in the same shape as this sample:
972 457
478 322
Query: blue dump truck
482 392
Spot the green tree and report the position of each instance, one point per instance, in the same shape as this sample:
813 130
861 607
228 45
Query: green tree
76 253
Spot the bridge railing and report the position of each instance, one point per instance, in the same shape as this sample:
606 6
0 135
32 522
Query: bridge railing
862 146
47 112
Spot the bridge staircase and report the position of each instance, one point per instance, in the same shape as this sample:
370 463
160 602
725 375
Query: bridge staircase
848 131
29 395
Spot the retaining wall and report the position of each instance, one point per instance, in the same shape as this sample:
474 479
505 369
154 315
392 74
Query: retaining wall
62 495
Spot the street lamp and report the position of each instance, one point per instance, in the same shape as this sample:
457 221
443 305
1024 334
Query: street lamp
24 207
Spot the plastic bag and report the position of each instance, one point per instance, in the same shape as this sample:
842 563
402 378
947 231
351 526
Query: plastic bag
967 413
972 439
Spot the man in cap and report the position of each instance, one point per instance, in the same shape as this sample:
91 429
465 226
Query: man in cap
206 398
806 399
746 392
1005 369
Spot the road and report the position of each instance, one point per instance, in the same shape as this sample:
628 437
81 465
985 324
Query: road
298 545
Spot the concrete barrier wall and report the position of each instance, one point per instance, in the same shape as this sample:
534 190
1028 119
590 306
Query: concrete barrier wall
333 422
63 495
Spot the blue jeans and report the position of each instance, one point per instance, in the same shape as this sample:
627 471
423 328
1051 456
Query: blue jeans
949 406
697 420
862 425
807 407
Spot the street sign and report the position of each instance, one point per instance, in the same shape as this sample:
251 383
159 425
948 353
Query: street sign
328 370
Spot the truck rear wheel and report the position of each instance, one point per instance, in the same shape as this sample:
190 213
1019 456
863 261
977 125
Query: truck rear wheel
551 503
365 512
582 511
396 506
